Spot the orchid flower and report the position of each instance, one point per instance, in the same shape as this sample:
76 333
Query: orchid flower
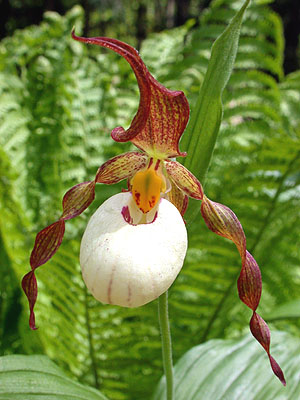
134 245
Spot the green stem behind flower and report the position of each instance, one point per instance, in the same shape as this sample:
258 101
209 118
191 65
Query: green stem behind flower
199 141
202 131
166 343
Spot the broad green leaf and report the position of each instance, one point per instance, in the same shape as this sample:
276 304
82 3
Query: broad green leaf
38 378
236 370
200 137
285 311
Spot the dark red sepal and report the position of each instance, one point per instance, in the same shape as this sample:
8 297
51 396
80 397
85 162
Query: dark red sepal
162 114
142 75
261 332
29 286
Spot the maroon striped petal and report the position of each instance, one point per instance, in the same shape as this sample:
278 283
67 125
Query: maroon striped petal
77 199
261 332
121 167
178 198
162 114
221 220
47 243
249 282
29 285
184 179
48 240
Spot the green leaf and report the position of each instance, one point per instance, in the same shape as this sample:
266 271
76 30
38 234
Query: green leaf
236 370
38 378
287 310
201 134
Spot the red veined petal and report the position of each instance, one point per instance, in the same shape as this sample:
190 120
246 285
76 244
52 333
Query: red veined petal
121 167
221 220
141 73
29 285
47 243
168 117
178 198
48 240
249 283
162 114
261 332
184 179
77 199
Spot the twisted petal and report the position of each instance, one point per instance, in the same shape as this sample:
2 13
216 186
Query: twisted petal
47 243
75 201
48 240
162 114
249 282
184 179
261 332
221 220
29 285
178 198
121 167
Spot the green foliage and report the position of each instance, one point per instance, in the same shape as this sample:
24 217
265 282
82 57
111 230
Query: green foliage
38 378
59 100
285 311
226 369
203 129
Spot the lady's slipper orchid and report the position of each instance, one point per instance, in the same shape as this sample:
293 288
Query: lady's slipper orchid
130 265
135 243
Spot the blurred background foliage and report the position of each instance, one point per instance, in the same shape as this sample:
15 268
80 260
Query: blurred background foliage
59 100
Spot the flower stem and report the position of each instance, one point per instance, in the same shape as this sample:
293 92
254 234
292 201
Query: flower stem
166 343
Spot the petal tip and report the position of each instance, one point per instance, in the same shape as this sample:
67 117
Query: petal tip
277 370
32 325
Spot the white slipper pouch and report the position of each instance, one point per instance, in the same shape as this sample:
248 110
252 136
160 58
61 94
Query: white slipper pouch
131 265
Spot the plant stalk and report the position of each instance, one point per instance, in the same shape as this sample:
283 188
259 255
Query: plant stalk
166 343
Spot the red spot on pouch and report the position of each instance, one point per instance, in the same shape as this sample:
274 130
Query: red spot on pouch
137 197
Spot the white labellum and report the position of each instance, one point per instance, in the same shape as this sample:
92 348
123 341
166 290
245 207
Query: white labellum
131 265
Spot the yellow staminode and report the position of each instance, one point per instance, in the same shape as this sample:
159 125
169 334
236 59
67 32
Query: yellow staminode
147 185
